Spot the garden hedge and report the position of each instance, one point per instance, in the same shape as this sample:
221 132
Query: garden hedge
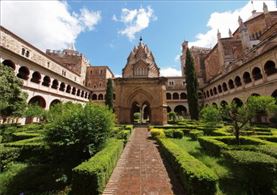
34 148
216 144
7 155
255 170
196 177
91 176
211 145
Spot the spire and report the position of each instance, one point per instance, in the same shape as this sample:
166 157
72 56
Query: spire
265 8
253 9
140 39
240 20
230 33
71 46
218 34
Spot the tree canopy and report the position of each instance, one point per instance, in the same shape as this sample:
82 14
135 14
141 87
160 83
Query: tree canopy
12 99
192 86
109 94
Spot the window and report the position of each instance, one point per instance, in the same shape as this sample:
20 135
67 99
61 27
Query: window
23 51
171 83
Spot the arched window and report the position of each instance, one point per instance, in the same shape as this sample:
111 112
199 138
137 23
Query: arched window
208 94
219 89
100 96
62 87
183 96
168 96
46 81
270 68
214 104
246 77
224 86
23 73
9 63
94 97
38 100
55 102
223 103
55 84
36 77
180 110
231 84
68 89
78 92
215 91
211 92
73 91
237 81
238 102
256 73
82 94
175 96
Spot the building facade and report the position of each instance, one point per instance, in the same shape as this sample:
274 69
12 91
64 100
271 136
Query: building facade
241 65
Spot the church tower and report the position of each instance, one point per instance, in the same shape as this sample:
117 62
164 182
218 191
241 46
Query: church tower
141 63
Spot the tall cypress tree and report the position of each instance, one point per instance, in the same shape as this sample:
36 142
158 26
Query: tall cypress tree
109 94
192 86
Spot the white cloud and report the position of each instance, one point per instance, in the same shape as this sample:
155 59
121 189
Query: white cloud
47 24
118 75
225 20
169 71
135 20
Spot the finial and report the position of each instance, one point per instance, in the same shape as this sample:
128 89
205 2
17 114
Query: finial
240 20
230 33
140 39
218 34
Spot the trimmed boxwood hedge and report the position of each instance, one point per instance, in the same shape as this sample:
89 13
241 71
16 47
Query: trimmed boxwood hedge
34 148
216 144
194 134
196 177
255 170
211 145
7 155
91 176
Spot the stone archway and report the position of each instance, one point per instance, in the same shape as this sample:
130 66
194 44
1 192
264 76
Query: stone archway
148 94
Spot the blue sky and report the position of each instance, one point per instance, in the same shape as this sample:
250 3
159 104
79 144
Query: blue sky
106 31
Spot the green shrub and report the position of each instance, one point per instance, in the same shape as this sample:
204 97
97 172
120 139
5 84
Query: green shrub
266 149
194 175
7 155
157 133
210 114
83 129
34 148
7 176
211 145
168 133
123 134
172 116
256 170
194 134
91 176
24 135
177 133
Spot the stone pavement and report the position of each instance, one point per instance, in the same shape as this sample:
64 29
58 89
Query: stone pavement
141 171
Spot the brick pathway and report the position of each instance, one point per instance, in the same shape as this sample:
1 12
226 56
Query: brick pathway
140 170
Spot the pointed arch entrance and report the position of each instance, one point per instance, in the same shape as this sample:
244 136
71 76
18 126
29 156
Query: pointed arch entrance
141 100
